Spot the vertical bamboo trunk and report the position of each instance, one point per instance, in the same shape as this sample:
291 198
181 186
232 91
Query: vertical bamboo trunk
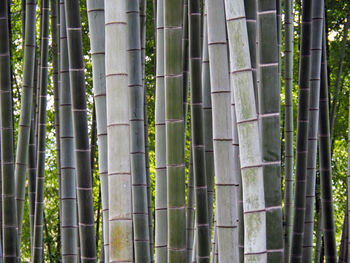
174 123
96 18
137 137
316 51
269 121
161 234
324 67
226 175
207 123
302 131
343 240
69 228
9 216
37 250
81 138
190 211
248 135
203 250
325 164
118 129
289 129
26 112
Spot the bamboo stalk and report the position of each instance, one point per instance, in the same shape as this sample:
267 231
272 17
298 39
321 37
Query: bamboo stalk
174 123
302 131
316 51
9 216
161 234
69 228
118 130
289 127
37 249
26 111
81 137
330 249
207 122
269 121
137 137
226 181
248 135
203 250
96 17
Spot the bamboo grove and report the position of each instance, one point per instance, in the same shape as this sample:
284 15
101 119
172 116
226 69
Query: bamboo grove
174 131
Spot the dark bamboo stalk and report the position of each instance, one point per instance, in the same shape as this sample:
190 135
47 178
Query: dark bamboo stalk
37 249
9 216
302 131
203 250
26 112
81 137
325 167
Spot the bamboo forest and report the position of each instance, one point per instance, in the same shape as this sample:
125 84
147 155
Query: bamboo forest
175 131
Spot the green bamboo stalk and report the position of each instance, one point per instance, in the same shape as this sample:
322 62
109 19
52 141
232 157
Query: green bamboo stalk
203 250
174 123
26 111
214 244
37 249
289 127
269 121
81 137
69 228
190 211
348 187
118 130
9 217
161 224
137 137
248 135
330 248
302 131
207 122
226 180
316 51
97 31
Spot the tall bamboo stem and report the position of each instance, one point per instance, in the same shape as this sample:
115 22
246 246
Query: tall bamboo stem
302 131
69 228
325 164
174 123
137 137
203 250
26 111
37 249
9 217
161 234
248 135
316 51
96 16
118 132
81 137
289 129
226 181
